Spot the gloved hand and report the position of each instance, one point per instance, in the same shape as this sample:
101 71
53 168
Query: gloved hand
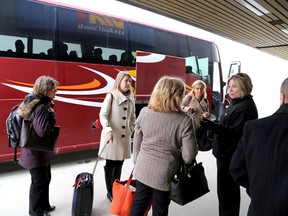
208 124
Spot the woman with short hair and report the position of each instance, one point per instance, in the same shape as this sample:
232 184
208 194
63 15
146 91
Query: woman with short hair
38 107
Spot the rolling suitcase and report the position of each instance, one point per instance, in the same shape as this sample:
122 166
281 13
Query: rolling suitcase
82 203
83 195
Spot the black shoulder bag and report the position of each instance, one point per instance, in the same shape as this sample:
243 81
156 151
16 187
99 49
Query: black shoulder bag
189 183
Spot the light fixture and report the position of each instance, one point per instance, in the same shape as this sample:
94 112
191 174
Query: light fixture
253 6
285 31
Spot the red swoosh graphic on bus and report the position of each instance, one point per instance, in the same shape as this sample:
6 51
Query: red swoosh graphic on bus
64 92
94 84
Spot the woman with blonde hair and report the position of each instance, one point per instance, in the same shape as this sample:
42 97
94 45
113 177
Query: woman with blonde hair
195 103
164 136
117 117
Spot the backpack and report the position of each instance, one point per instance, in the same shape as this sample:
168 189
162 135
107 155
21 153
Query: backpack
13 127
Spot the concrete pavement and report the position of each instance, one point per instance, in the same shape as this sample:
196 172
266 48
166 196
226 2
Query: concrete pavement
15 183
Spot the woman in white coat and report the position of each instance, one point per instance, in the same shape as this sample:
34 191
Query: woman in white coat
117 117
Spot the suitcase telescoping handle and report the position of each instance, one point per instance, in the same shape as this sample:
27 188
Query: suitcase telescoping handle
98 159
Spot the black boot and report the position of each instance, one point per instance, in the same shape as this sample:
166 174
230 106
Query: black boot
117 172
109 181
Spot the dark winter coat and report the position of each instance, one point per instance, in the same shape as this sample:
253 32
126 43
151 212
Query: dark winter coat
231 124
43 120
260 164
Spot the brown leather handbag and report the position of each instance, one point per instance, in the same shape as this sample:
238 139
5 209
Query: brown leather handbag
29 139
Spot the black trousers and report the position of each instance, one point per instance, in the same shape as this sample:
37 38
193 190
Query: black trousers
228 191
144 194
39 190
114 163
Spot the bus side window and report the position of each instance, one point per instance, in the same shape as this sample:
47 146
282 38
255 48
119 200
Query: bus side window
42 49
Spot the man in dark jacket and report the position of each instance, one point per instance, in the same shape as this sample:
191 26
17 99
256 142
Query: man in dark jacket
260 161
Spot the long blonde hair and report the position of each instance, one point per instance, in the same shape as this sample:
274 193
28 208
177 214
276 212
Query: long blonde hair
167 95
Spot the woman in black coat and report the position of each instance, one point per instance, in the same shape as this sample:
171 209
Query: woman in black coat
227 135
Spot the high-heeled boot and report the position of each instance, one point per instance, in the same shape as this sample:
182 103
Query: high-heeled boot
109 181
117 173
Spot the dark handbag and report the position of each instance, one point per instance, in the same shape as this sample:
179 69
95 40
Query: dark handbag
189 184
29 139
204 139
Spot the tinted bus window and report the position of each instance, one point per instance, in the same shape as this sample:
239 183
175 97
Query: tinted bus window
41 47
92 32
8 43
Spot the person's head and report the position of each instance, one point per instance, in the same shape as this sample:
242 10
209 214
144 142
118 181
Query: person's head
19 45
284 92
98 52
65 47
239 85
123 82
113 58
50 52
45 86
199 89
189 69
167 95
73 54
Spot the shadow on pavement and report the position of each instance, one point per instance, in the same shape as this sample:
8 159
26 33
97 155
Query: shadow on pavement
78 157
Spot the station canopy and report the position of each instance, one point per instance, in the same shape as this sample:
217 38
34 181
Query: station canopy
261 24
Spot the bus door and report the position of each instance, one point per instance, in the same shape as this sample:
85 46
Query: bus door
150 67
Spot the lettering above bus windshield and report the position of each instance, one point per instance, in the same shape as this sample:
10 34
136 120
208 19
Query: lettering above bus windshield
79 22
100 24
91 23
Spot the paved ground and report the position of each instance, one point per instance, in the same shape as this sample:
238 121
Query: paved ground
15 182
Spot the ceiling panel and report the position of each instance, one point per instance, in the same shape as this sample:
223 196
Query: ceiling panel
232 19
